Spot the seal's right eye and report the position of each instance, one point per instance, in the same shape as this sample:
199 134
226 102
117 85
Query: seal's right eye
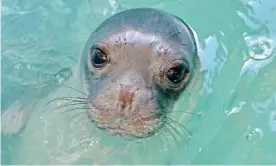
99 58
177 74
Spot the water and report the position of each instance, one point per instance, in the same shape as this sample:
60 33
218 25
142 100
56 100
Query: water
238 94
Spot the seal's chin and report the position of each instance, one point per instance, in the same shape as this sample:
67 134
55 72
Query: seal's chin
126 127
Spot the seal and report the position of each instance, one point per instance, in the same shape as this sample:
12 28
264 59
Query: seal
16 116
134 67
118 107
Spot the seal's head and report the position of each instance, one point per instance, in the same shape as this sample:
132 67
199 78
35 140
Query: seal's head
134 67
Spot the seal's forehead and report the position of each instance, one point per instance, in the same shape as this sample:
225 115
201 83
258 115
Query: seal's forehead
146 21
148 43
147 26
172 36
131 36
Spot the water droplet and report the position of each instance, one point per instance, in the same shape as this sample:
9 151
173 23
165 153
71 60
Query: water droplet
200 150
256 134
46 142
260 48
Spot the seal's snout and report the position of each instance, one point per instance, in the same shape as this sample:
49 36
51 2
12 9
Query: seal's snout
125 107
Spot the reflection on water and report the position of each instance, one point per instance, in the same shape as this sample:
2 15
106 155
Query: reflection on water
272 121
237 40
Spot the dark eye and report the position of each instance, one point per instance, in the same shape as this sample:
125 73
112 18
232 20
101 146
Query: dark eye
99 58
176 74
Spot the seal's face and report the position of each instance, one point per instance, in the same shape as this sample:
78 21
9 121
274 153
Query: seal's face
132 79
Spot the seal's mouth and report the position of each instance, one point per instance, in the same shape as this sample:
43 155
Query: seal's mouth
137 126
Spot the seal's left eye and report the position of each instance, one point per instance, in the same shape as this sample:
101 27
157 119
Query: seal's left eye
99 58
176 74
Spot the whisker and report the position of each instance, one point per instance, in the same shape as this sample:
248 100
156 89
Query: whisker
70 104
179 143
86 87
73 89
71 97
152 114
175 129
72 109
180 125
66 99
88 79
184 112
168 127
74 116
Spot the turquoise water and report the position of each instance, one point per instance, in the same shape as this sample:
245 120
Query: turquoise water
237 97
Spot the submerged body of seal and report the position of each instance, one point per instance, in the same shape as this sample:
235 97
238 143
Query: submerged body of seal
133 69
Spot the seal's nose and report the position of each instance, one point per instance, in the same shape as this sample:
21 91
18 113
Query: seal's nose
126 94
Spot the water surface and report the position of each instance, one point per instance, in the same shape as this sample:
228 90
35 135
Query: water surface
237 40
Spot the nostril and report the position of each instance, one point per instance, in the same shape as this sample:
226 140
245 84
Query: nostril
126 94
